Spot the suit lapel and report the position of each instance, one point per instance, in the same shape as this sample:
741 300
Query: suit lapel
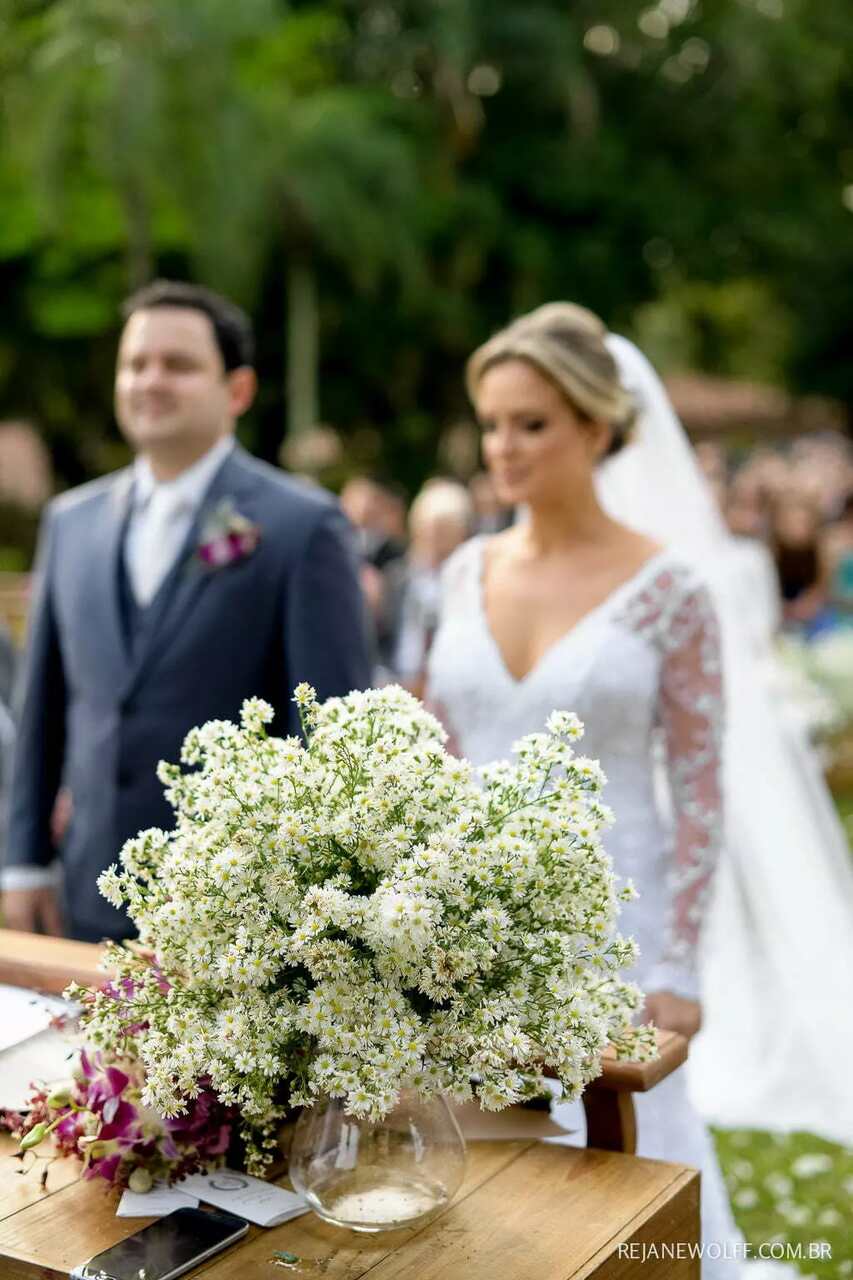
103 570
188 578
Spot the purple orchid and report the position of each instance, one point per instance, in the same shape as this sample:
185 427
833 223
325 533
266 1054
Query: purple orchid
107 1089
99 1117
227 549
227 537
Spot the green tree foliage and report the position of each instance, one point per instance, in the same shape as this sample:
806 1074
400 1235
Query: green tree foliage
384 181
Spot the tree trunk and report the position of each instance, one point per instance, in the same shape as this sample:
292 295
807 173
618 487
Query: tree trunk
303 347
139 253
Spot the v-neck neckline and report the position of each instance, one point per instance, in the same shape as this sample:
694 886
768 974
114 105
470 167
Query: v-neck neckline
620 590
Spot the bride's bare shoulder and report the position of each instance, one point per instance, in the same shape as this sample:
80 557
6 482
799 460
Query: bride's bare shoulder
499 546
636 547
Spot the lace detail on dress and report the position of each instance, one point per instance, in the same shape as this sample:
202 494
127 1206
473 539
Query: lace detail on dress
640 670
674 612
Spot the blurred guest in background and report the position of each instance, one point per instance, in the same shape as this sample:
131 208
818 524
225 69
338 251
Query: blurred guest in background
490 514
440 520
795 530
766 469
822 467
751 567
793 505
837 560
378 514
746 509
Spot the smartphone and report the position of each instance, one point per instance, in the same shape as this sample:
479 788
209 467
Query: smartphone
169 1247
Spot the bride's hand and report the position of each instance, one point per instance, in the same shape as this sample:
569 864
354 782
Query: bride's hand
673 1013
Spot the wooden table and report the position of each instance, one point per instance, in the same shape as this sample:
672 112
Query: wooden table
48 964
526 1210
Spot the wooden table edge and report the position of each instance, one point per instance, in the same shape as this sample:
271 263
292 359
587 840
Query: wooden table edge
682 1178
46 964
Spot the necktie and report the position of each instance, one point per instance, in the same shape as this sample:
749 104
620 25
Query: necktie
161 530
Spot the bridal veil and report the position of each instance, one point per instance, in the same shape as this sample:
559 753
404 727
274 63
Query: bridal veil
776 1049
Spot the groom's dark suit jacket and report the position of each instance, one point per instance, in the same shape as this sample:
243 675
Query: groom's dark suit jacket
109 689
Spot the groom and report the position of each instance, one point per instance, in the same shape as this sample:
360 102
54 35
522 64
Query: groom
166 594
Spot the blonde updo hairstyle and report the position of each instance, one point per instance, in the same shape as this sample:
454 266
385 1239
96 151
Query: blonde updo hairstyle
565 343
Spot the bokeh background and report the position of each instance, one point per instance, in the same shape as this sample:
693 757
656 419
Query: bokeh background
381 183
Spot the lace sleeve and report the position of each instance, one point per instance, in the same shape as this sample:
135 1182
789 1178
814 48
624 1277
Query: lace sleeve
690 713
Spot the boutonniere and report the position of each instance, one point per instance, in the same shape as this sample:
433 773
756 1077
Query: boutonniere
226 537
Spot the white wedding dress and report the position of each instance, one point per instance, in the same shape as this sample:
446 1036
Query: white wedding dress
642 670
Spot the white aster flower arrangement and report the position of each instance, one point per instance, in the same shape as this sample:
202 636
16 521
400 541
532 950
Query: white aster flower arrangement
361 912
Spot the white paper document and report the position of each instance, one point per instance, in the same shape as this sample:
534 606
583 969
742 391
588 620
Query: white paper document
46 1057
155 1203
257 1201
563 1125
24 1013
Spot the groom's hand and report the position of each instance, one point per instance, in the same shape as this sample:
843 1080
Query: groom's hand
673 1013
32 910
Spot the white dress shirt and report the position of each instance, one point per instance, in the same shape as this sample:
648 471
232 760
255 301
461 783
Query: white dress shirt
161 517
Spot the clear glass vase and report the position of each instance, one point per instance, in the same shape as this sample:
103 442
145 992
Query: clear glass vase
378 1175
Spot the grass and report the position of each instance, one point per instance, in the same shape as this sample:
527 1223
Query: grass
845 808
792 1188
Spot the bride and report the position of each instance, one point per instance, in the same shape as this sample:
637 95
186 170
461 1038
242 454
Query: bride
573 609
